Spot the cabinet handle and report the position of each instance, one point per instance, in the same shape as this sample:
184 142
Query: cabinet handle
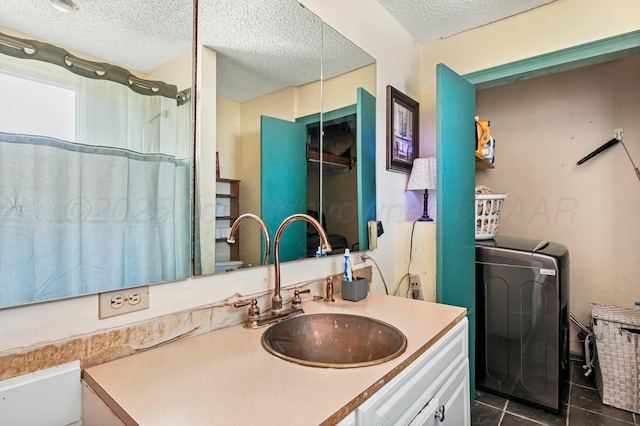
440 414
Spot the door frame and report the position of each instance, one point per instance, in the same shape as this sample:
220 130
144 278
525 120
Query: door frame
595 52
592 53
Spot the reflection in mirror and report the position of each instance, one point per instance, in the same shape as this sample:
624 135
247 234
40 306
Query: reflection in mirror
344 195
95 147
267 110
265 73
348 198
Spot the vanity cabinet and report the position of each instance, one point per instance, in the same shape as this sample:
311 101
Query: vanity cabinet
432 390
450 406
192 381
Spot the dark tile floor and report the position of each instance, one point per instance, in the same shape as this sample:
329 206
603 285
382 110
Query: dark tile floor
583 408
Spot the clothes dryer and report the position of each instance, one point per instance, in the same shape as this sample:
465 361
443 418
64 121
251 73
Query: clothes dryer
522 305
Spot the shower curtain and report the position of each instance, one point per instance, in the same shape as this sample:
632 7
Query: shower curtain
77 220
107 210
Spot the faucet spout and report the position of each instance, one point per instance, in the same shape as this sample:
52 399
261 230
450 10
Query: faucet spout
267 241
276 300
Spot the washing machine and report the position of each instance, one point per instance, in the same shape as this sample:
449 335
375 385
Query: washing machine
522 306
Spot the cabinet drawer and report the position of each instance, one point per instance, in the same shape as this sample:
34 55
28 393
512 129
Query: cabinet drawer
406 395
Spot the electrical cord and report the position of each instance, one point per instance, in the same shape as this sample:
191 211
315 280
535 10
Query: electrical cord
408 274
365 256
413 228
395 292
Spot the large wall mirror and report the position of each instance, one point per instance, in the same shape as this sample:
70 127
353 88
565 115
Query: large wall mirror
95 146
96 139
294 132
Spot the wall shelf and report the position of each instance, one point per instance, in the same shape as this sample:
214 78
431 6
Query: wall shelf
330 159
482 164
230 189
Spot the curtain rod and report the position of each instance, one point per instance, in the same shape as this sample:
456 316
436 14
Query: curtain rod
40 51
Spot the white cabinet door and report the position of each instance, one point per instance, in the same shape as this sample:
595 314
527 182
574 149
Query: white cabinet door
450 406
427 417
400 400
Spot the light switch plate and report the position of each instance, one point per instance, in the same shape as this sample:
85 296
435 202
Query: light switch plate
372 228
123 301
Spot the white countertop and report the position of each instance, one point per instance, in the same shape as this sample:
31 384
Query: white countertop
226 377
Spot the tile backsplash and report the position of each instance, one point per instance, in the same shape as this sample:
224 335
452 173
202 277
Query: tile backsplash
107 345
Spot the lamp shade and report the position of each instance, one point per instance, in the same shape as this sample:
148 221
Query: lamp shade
423 174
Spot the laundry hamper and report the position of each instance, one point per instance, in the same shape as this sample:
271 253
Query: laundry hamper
617 335
488 210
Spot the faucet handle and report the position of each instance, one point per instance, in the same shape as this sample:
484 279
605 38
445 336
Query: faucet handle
254 310
296 302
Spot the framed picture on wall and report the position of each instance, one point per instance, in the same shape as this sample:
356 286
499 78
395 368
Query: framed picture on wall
402 131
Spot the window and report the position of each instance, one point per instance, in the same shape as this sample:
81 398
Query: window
35 108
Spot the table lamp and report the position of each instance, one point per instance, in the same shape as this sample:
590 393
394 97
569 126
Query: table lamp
423 177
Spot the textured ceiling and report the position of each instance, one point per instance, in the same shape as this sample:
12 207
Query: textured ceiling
262 45
266 45
135 34
429 20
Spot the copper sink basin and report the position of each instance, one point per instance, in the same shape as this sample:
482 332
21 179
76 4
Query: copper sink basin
334 340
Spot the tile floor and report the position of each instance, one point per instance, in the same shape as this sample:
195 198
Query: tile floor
584 408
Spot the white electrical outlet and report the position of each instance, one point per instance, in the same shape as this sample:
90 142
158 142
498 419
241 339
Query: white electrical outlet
416 290
357 258
117 301
123 301
135 297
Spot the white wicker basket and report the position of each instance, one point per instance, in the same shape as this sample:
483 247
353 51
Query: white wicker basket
488 210
617 333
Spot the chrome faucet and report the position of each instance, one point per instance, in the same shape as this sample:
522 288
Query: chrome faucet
231 239
276 300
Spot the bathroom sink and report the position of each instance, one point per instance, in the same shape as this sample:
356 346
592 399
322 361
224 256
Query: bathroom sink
334 340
